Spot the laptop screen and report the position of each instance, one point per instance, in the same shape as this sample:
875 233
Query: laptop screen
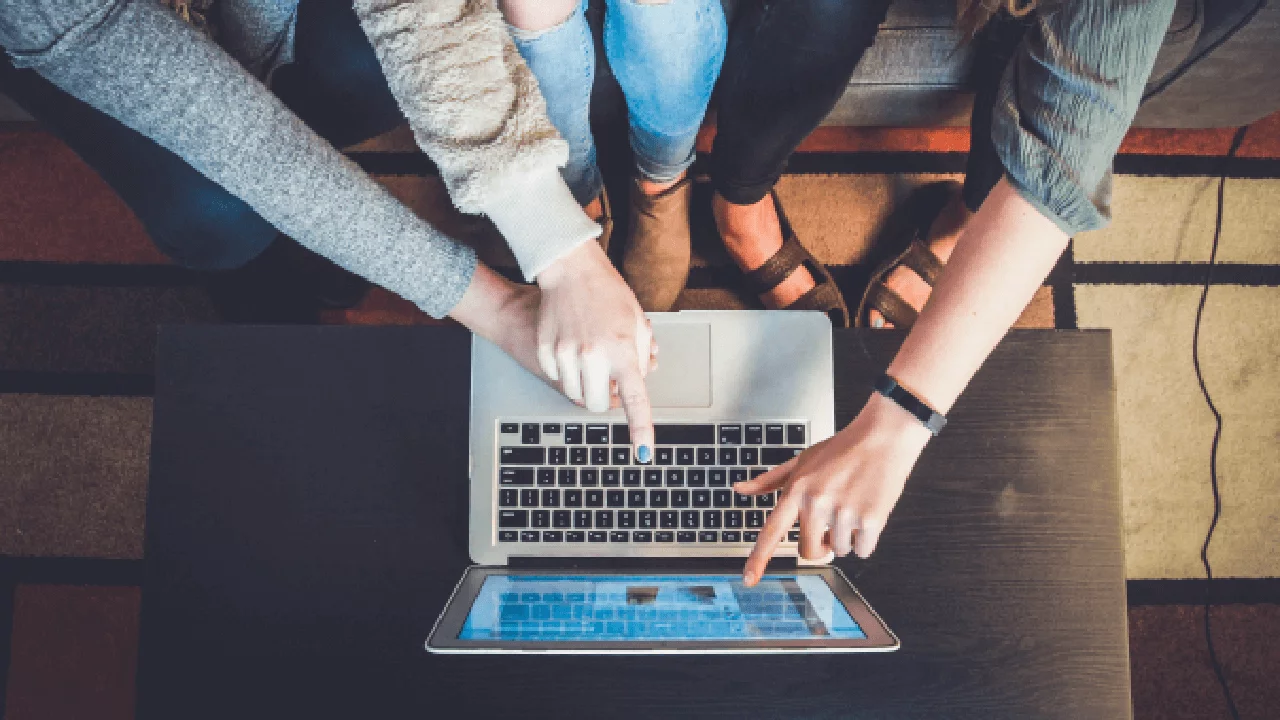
612 608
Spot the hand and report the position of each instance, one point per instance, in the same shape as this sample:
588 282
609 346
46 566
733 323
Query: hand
841 489
592 337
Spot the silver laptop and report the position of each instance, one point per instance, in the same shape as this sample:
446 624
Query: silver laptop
580 548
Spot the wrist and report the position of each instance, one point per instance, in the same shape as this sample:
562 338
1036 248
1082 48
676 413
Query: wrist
887 417
482 308
571 265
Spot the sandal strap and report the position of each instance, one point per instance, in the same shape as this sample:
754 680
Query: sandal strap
777 268
891 305
923 261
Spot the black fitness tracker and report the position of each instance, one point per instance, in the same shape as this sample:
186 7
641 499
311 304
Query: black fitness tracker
888 387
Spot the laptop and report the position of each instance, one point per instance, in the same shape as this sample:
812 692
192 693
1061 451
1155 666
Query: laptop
581 549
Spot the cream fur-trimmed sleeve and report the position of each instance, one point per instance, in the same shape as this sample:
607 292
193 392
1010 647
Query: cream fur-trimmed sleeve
476 110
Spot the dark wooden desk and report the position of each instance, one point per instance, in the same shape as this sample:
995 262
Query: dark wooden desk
305 525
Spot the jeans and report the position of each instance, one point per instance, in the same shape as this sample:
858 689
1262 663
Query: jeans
787 65
665 55
336 86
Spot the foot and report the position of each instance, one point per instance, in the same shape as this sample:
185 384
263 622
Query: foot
943 234
752 235
655 259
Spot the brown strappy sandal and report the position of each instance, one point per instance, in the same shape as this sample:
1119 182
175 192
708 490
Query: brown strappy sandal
923 209
824 297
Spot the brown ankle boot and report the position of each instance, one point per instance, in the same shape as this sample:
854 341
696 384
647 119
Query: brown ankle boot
655 261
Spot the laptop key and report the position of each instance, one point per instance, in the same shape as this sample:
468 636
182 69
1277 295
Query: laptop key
573 434
697 477
578 456
546 477
552 536
615 498
515 476
722 498
749 456
631 477
643 536
795 434
530 536
657 498
621 456
711 519
551 498
793 536
731 536
528 498
595 498
636 498
575 536
667 519
582 518
754 435
507 498
530 435
604 519
664 536
648 519
540 518
508 536
741 501
523 456
664 456
599 456
684 434
589 477
733 519
626 519
551 428
728 456
773 435
737 475
708 536
755 518
509 428
562 518
751 536
757 472
653 478
597 536
610 477
765 501
684 456
777 455
573 498
621 435
557 456
718 477
618 536
730 434
689 519
701 498
679 498
675 477
686 536
706 456
597 434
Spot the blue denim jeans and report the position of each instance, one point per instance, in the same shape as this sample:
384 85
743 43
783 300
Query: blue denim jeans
665 55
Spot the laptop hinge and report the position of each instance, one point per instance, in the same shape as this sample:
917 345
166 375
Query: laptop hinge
635 563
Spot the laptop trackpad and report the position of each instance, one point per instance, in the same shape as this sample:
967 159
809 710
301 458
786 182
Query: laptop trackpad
683 377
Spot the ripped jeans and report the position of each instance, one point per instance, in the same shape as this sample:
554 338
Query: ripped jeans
666 55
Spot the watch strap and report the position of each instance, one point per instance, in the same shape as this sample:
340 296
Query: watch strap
887 386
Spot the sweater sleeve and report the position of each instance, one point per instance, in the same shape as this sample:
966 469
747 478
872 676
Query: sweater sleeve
140 64
1067 99
476 110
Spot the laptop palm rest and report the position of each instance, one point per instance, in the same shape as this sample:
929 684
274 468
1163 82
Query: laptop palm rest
683 377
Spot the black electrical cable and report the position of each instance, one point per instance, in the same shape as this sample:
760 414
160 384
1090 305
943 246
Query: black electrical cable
1217 432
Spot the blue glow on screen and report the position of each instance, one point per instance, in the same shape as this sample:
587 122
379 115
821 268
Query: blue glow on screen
533 608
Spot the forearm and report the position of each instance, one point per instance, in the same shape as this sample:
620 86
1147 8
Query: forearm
475 109
144 67
1003 256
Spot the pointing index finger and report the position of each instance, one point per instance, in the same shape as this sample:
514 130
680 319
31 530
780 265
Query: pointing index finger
635 403
773 532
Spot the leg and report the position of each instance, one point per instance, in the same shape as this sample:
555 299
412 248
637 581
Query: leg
555 41
189 217
995 44
787 66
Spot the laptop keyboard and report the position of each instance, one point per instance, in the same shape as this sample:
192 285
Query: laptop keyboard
579 483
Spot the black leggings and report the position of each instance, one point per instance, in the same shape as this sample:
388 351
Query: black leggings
336 86
787 65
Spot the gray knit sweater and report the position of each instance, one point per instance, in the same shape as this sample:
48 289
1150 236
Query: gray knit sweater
473 105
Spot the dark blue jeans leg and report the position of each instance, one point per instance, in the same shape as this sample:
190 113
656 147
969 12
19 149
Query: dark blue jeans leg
336 86
994 46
